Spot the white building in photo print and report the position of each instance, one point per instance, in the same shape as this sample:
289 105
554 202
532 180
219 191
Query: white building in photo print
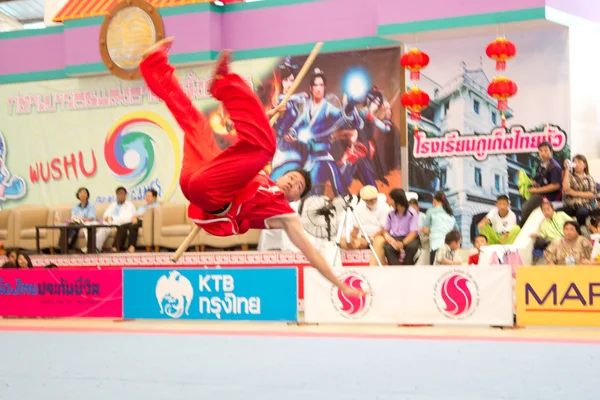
463 104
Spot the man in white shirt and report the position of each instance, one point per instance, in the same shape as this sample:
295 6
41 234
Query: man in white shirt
499 226
372 214
118 213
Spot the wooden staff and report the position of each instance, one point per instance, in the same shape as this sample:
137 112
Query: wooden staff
307 64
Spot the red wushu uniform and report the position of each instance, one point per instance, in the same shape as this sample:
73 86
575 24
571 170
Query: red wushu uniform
212 178
259 201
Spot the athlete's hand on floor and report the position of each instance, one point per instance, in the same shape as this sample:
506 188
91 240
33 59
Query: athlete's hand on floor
348 291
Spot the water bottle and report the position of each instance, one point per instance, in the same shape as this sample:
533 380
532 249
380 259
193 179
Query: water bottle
56 218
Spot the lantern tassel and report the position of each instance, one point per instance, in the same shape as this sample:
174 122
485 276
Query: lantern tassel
415 75
500 65
503 120
416 130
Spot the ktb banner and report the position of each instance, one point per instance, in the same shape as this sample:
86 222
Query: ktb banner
248 294
64 292
558 296
413 295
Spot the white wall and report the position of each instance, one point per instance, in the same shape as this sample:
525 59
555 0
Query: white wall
585 90
8 23
51 8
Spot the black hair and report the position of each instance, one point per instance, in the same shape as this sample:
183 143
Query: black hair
575 225
594 221
398 196
307 180
286 72
503 197
29 263
441 198
453 236
10 251
153 191
482 236
51 265
413 202
583 159
121 188
317 73
79 190
545 144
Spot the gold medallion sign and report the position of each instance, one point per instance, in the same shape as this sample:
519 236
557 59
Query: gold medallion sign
127 31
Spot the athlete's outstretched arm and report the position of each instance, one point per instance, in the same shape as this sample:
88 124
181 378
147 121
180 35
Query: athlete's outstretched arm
292 225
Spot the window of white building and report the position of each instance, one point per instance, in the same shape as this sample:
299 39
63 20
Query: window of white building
478 177
494 118
476 106
443 178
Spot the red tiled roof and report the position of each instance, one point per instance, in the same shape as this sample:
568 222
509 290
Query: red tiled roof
77 9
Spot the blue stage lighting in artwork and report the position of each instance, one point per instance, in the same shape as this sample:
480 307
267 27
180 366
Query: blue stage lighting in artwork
356 83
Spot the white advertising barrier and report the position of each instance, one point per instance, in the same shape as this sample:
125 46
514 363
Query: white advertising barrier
430 295
325 303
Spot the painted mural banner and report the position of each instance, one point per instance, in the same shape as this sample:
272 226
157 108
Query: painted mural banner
101 132
461 147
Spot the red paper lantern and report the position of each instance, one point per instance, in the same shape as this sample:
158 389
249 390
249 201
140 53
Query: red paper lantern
415 100
501 50
414 60
502 88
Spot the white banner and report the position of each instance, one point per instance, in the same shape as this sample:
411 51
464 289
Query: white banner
413 295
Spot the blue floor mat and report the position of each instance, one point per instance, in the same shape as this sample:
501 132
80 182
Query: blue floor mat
159 366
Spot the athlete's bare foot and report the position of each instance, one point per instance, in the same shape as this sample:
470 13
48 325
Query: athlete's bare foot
162 45
222 67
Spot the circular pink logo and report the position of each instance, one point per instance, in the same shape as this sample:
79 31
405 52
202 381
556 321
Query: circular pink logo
349 306
456 295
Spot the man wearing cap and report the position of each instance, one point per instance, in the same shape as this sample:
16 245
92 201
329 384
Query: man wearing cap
372 214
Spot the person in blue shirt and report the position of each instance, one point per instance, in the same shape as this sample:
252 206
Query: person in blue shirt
439 221
82 212
129 231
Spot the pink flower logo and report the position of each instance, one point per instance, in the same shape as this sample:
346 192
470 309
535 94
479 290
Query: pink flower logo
457 295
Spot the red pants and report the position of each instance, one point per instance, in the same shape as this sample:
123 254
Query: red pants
211 178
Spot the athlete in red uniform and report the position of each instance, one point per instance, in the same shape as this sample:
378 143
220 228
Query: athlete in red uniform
228 191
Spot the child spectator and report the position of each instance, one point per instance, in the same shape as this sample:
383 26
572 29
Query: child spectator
480 241
499 226
446 255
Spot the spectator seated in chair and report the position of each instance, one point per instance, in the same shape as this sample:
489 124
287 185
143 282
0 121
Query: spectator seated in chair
400 242
118 213
547 182
129 231
499 226
448 254
571 249
81 213
11 261
372 214
550 229
580 190
480 241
